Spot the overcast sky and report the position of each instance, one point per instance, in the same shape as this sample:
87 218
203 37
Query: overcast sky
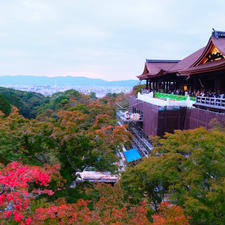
101 38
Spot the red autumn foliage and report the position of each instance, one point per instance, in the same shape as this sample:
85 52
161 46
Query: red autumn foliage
16 193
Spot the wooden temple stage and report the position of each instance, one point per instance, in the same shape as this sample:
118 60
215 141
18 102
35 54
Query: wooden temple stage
194 88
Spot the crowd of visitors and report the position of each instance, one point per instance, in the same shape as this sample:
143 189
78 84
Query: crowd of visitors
195 93
199 93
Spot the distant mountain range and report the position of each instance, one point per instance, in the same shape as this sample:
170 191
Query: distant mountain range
67 81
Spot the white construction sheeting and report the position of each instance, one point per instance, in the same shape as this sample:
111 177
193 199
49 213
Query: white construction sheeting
97 177
162 103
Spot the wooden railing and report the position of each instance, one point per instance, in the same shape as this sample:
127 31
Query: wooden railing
211 102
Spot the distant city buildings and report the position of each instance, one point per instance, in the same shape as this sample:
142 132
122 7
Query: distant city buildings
48 90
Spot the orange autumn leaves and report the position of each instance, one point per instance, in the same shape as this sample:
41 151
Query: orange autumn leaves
80 214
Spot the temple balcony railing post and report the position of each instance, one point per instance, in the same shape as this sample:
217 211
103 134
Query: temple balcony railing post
166 99
210 102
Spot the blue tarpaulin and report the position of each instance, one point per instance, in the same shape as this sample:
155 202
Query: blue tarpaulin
132 155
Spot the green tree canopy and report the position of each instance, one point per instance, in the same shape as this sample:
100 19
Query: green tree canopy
77 136
188 167
4 105
26 102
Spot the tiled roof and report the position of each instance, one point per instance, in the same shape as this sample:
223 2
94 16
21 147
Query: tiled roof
219 43
190 64
197 67
207 67
218 34
157 67
187 62
161 61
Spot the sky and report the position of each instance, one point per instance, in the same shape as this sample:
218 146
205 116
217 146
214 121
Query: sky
100 38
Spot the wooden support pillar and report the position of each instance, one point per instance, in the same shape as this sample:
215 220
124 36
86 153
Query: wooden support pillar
146 86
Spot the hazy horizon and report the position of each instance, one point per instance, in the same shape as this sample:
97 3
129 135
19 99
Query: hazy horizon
55 76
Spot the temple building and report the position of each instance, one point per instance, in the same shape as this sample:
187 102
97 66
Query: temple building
183 94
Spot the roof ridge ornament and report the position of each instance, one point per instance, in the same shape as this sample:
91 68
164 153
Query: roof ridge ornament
218 34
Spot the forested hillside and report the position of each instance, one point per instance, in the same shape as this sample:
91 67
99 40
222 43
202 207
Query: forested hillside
187 168
63 100
26 102
180 183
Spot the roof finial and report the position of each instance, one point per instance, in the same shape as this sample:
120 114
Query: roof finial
214 33
218 34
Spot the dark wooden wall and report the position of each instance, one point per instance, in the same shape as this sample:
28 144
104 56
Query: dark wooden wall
150 115
170 120
158 120
199 117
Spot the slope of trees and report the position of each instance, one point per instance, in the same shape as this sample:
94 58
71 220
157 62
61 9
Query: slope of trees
4 105
39 158
26 102
77 136
187 167
59 101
